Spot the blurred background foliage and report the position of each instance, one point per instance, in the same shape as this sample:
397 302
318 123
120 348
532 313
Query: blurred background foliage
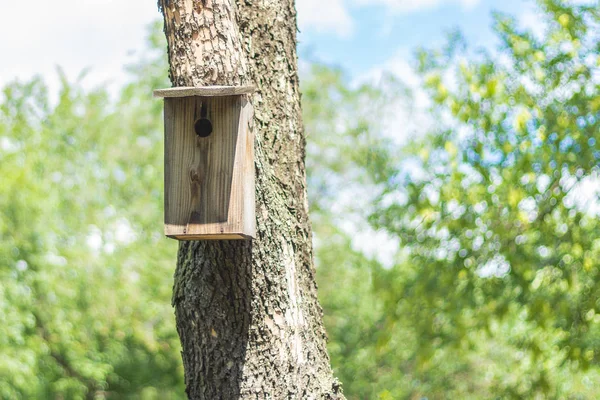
492 289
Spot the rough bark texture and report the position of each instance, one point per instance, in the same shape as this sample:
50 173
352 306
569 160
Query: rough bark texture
247 312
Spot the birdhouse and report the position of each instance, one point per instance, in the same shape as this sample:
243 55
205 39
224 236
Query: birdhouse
209 163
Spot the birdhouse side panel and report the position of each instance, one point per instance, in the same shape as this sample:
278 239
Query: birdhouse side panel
244 210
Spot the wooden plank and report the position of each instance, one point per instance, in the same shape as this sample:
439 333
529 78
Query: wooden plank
209 181
204 91
228 236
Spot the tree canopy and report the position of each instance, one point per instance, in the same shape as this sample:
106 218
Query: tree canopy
85 306
498 209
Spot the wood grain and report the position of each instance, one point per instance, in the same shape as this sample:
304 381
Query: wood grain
209 181
204 91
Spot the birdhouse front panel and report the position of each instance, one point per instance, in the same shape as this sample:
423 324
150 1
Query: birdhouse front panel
209 168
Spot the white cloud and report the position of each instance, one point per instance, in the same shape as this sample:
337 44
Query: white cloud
586 195
75 34
530 19
407 117
417 5
334 15
397 65
324 16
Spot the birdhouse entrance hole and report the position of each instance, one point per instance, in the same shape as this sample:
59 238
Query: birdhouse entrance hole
203 126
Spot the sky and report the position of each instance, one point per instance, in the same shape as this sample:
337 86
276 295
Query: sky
360 36
363 37
367 34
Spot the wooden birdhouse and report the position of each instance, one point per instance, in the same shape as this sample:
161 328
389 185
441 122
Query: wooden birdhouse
209 163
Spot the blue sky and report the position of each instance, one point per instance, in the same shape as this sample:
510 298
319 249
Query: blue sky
357 35
377 33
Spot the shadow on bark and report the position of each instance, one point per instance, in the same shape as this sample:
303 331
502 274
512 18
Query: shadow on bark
212 300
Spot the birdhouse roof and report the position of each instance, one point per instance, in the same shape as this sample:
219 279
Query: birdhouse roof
206 91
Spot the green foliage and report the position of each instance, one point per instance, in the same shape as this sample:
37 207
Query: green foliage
85 308
490 210
373 355
495 293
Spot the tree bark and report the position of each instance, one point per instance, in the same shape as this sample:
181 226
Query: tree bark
247 311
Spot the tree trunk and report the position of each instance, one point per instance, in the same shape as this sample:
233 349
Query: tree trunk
247 311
